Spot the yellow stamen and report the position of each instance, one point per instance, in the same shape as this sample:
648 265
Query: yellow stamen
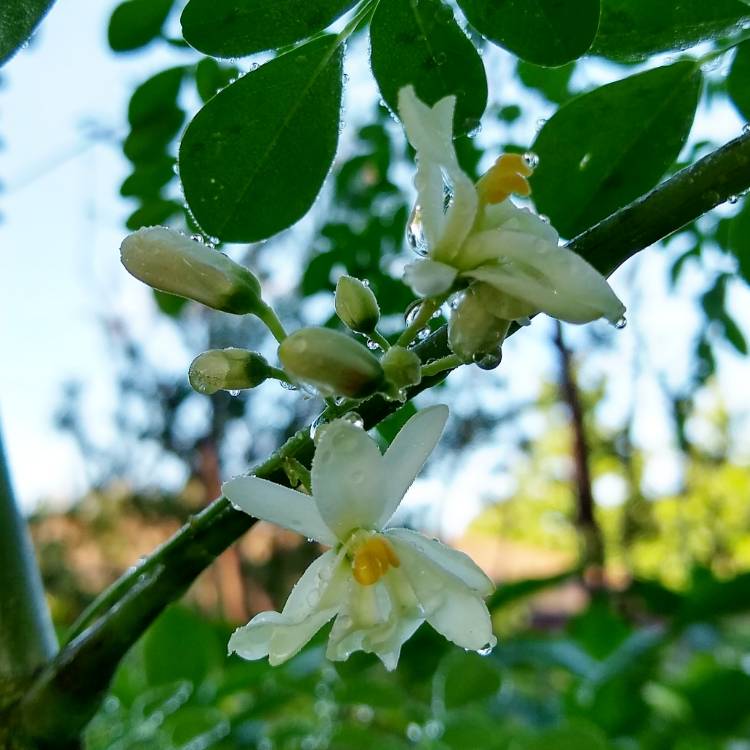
507 175
372 560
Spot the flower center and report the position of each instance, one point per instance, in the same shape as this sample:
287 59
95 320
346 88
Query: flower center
507 175
373 559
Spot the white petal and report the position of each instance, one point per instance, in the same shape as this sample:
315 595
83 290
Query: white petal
554 279
450 606
507 215
313 602
430 131
347 478
378 619
428 278
407 453
280 505
449 559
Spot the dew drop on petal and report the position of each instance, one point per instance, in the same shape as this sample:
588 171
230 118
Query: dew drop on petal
415 232
544 218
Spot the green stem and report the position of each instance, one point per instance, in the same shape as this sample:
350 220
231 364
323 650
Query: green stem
278 374
426 310
67 692
380 340
449 362
27 639
272 322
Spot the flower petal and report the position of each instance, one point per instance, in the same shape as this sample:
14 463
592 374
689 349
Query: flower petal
269 501
554 279
347 478
378 619
452 560
313 602
428 278
407 453
430 131
450 606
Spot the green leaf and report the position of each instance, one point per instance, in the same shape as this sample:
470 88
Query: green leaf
148 179
552 83
211 77
634 29
135 23
733 334
232 28
253 160
605 148
465 677
169 304
738 80
544 32
180 646
418 42
18 20
153 212
720 700
739 240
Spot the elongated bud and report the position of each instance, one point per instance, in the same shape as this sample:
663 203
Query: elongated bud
356 305
227 369
402 367
332 362
473 331
170 261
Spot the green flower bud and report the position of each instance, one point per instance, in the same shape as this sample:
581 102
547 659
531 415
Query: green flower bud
227 369
474 333
356 305
402 367
331 361
170 261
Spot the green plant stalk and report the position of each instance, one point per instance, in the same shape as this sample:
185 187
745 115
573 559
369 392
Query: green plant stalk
66 693
27 639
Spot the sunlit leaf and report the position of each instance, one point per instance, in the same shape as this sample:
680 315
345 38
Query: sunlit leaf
545 32
634 29
605 148
420 43
232 28
254 158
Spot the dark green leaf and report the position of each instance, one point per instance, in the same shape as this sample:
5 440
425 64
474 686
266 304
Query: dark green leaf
465 677
605 148
169 304
733 334
180 646
232 28
155 96
739 240
545 32
418 42
515 591
211 77
720 700
552 83
569 738
152 213
391 425
738 80
254 158
18 19
148 179
634 29
135 23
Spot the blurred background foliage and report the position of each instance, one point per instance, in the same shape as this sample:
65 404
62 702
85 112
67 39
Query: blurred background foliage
623 611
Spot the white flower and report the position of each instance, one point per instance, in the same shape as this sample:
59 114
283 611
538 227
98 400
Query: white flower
483 237
380 584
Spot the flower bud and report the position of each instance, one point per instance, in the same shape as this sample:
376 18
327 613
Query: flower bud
227 369
356 305
473 330
170 261
402 367
331 361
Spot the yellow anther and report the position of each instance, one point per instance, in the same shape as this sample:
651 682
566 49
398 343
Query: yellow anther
507 175
372 560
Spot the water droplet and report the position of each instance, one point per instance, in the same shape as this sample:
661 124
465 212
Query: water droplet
197 238
487 650
234 392
544 218
355 419
414 232
433 729
288 386
733 199
540 123
488 360
412 311
364 713
441 58
315 427
413 732
620 323
531 159
373 345
422 334
746 128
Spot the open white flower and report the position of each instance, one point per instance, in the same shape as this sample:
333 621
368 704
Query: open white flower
483 237
379 583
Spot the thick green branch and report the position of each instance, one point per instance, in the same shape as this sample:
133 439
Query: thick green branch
66 694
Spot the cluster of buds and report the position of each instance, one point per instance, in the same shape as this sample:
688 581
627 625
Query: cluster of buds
333 363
